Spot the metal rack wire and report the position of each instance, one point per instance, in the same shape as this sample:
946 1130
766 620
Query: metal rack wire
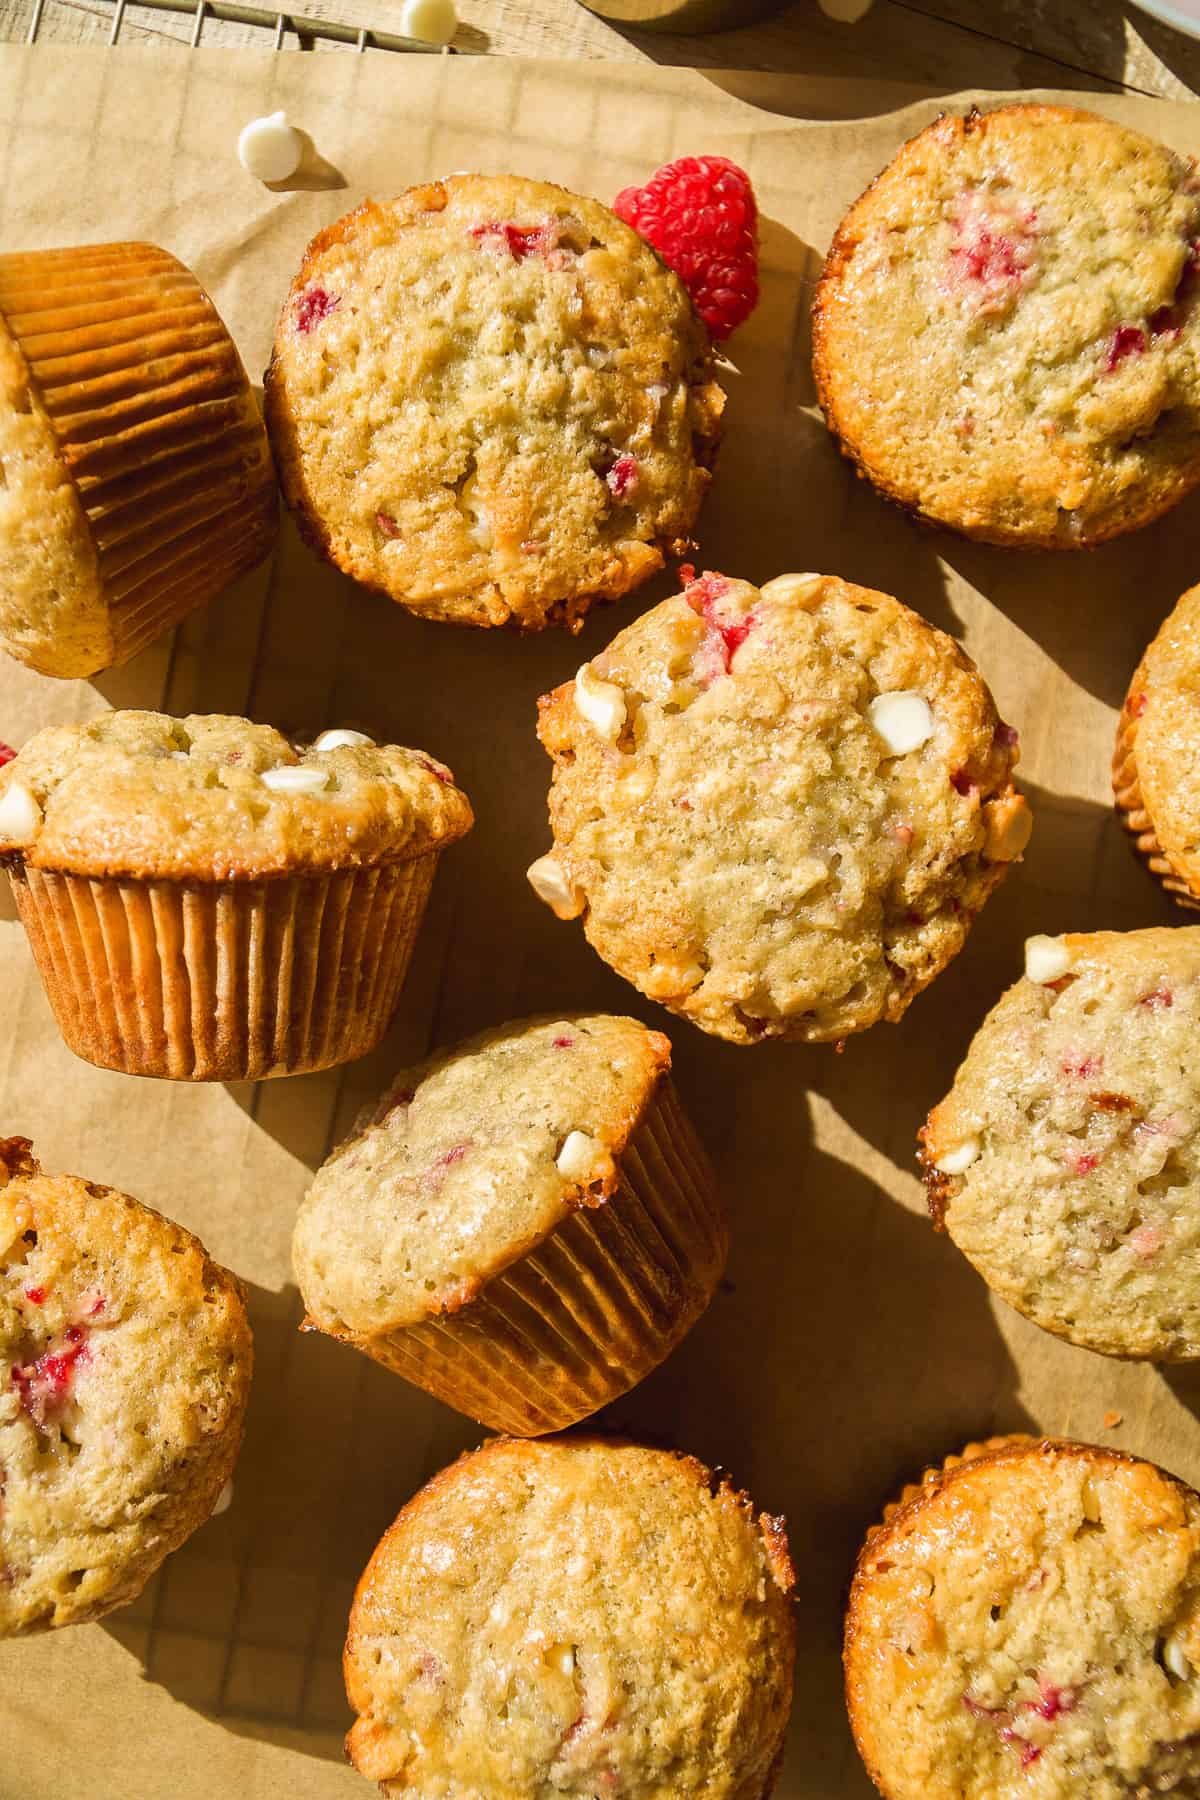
276 24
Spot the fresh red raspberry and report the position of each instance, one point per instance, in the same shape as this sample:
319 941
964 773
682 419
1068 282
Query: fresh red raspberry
313 305
701 216
7 754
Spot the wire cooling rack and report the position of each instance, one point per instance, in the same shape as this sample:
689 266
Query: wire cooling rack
278 27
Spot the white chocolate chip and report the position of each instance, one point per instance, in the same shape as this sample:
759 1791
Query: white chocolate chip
295 778
479 523
342 740
1089 1499
548 879
1046 959
801 588
959 1160
180 756
269 148
582 1158
224 1500
904 720
20 815
601 703
563 1658
1175 1657
429 21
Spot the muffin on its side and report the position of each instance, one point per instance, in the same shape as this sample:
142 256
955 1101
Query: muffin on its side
125 1360
492 401
1158 752
577 1617
1006 331
525 1225
208 902
1026 1622
778 810
137 481
1065 1162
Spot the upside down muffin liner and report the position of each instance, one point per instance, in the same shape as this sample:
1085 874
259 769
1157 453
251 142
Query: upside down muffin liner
155 422
598 1304
1131 807
224 980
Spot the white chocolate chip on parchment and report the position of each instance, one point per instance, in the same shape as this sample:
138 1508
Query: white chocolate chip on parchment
269 148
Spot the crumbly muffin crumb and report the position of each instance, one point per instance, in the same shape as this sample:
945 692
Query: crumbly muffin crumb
1005 333
778 809
1027 1623
492 401
636 1622
124 1371
1065 1162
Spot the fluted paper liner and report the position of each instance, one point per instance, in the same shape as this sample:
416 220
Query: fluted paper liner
156 425
599 1303
1131 806
224 980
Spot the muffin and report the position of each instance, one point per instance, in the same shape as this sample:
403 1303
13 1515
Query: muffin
135 478
125 1361
778 810
1005 334
525 1225
1026 1622
206 901
1158 751
577 1617
1065 1161
491 401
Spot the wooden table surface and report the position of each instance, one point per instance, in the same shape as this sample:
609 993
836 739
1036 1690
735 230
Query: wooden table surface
949 44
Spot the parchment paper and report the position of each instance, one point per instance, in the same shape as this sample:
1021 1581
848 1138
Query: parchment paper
851 1343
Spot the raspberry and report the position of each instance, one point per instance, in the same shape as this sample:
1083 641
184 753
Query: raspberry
314 305
1126 340
7 754
701 216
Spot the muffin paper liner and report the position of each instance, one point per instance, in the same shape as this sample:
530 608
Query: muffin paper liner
1131 809
224 980
599 1303
156 424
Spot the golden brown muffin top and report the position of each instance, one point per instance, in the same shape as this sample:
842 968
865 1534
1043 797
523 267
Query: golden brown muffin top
468 1161
1065 1161
1027 1623
778 809
1163 713
491 400
125 1360
573 1618
1006 332
210 797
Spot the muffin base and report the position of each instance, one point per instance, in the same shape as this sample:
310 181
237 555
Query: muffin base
595 1307
226 980
156 427
1131 807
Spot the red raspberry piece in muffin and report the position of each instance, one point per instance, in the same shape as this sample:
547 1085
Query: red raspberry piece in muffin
1005 334
125 1361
